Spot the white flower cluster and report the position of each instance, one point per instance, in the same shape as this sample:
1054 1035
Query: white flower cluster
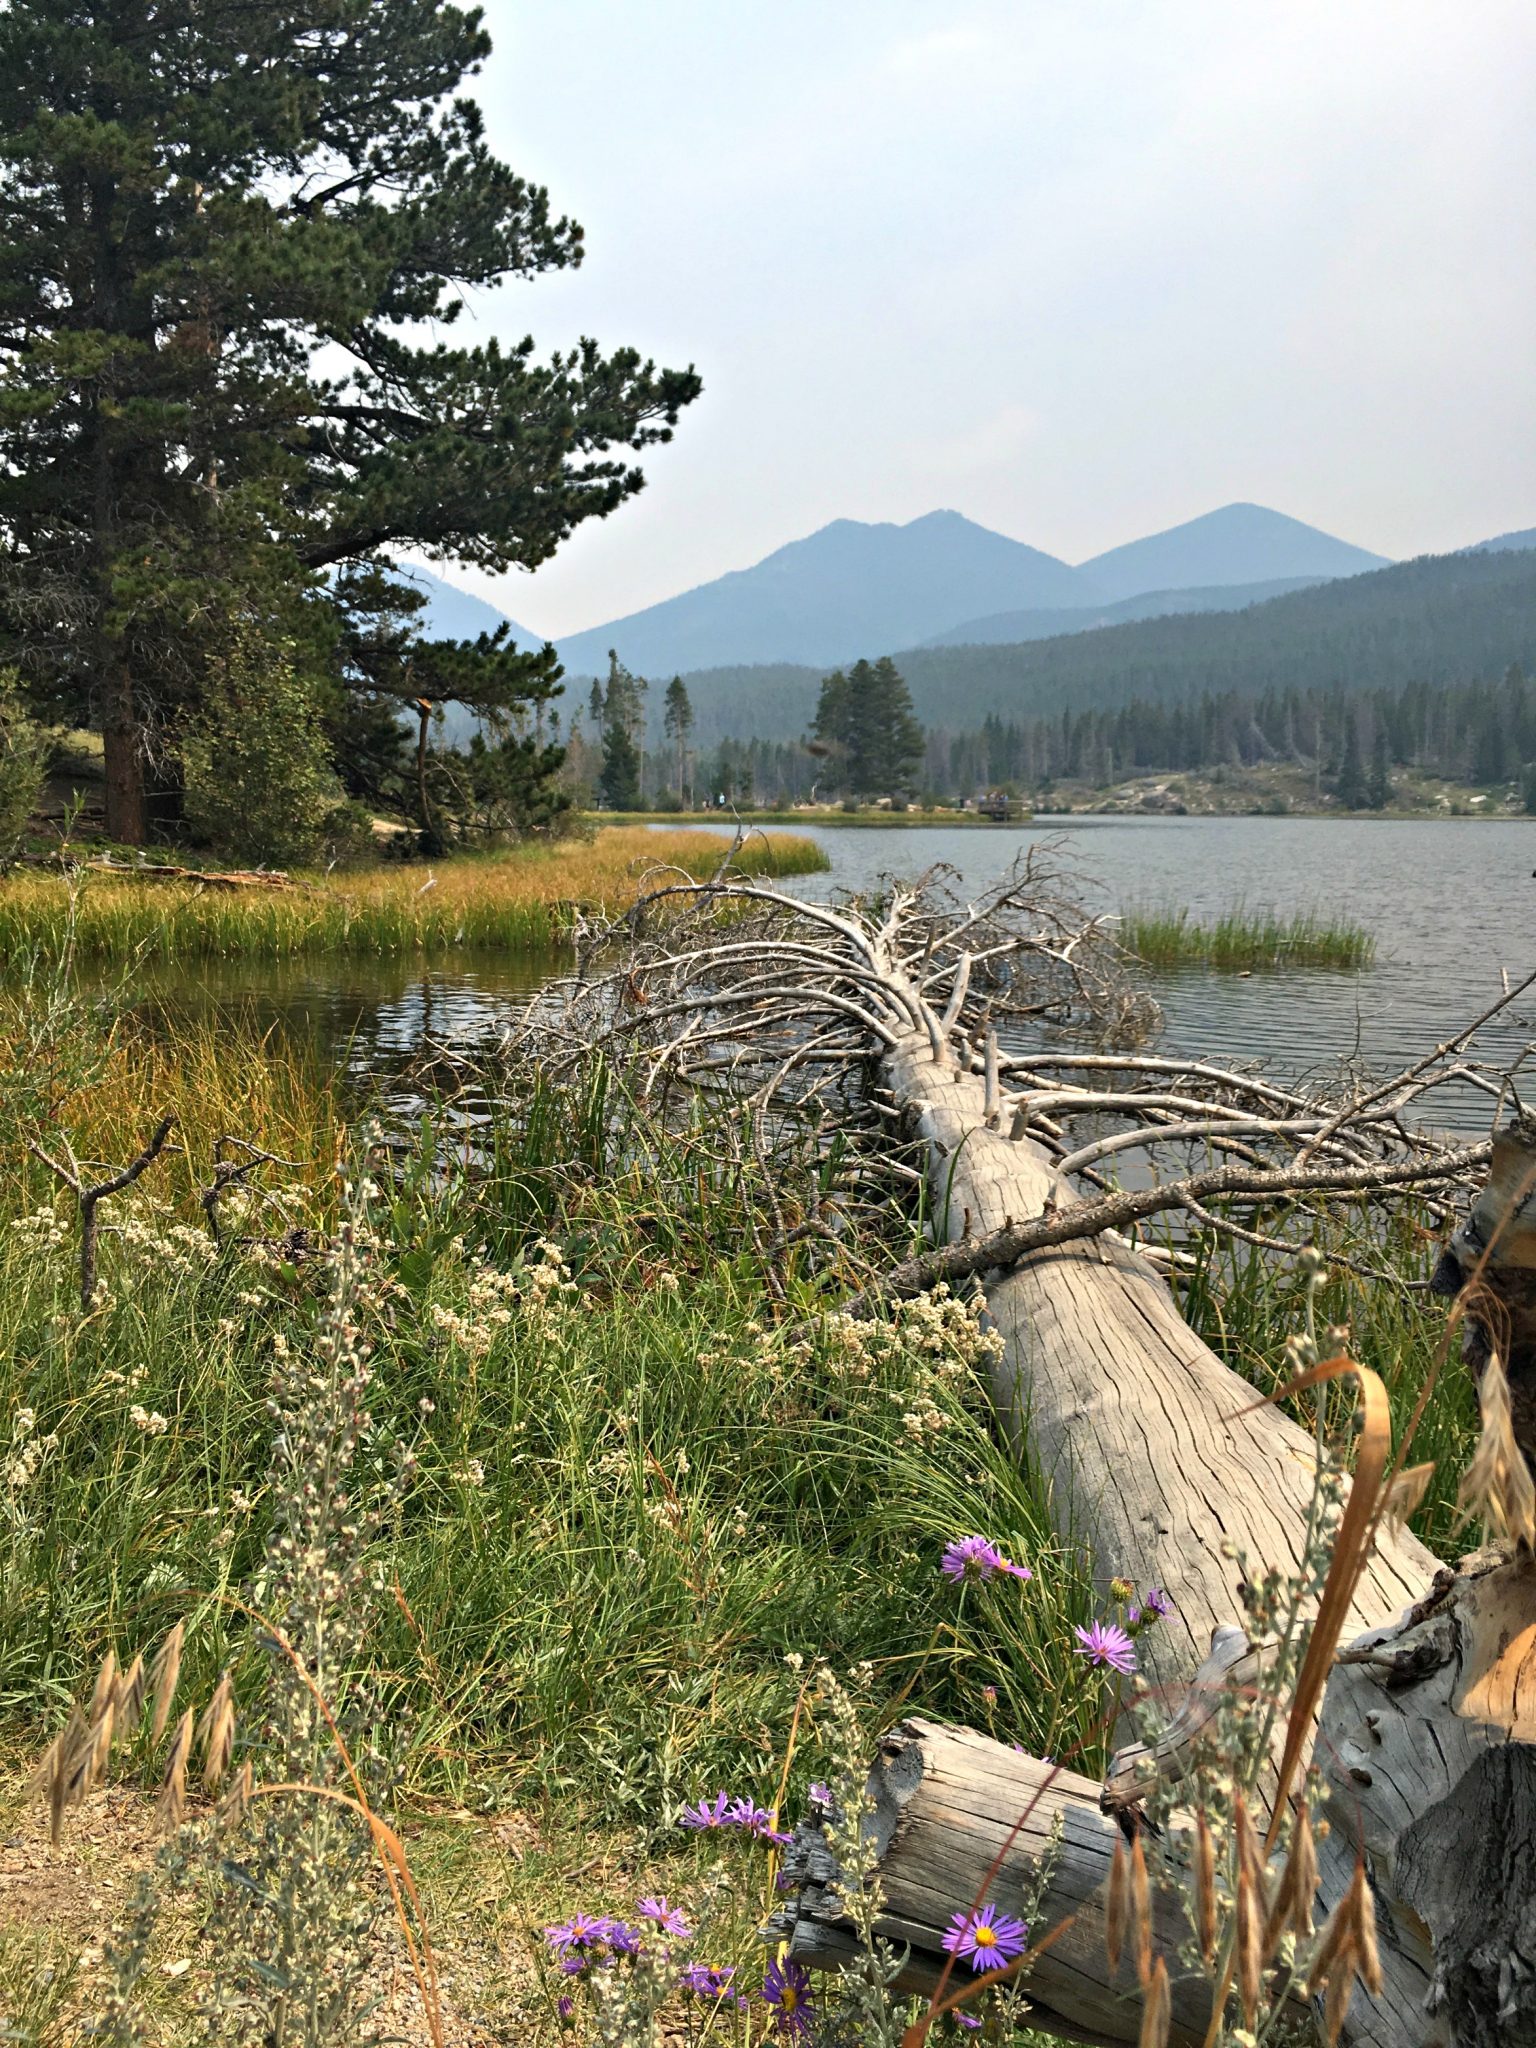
541 1292
27 1452
45 1230
148 1420
918 1356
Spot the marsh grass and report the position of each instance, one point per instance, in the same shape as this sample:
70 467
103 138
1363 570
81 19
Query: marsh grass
521 900
1243 940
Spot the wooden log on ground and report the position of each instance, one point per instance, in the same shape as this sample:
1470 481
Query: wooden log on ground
1425 1739
1155 1453
946 1804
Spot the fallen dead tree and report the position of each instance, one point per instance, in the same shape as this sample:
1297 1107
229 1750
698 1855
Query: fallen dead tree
1154 1452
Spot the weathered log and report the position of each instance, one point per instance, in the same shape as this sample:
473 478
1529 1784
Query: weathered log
948 1803
1156 1456
1425 1741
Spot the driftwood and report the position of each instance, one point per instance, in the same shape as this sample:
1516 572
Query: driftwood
948 1804
164 871
1155 1455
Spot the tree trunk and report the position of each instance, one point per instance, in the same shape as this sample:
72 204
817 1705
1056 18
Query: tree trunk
1428 1721
948 1802
123 752
1157 1457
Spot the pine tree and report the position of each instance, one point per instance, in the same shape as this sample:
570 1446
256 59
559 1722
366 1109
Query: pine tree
678 721
1379 790
1350 787
223 231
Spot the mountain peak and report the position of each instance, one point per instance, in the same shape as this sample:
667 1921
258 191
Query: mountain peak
1237 543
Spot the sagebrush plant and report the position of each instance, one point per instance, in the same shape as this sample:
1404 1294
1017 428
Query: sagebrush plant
286 1856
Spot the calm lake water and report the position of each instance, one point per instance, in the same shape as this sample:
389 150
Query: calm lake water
1450 903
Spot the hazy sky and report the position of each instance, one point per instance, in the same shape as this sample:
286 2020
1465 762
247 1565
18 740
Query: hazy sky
1077 268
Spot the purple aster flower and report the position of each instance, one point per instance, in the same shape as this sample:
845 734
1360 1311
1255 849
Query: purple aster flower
710 1813
970 1557
787 1988
820 1794
968 2020
565 2007
755 1820
1014 1571
667 1917
624 1941
985 1940
1107 1646
704 1982
572 1966
582 1930
1158 1605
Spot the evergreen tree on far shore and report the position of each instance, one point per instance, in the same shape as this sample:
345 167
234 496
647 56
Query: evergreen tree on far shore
865 725
1351 788
1379 790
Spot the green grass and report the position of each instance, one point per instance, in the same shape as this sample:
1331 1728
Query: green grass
622 1521
519 901
1242 940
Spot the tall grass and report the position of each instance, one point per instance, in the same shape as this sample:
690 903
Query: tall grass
630 1504
1242 940
520 900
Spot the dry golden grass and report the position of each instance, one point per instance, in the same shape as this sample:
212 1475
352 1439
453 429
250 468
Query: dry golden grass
521 899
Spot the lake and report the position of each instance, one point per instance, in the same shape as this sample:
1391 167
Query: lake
1451 904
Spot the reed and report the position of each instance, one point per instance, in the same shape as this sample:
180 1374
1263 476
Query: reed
518 901
1242 941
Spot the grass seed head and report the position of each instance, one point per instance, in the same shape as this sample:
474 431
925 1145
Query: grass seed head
1205 1887
1497 1487
171 1803
163 1676
1156 2009
1116 1903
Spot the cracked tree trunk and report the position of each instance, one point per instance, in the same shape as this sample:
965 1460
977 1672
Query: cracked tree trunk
1156 1458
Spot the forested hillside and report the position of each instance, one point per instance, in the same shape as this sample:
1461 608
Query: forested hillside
1438 620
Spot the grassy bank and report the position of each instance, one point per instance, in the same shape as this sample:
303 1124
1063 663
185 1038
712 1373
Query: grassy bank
514 901
635 1511
1242 940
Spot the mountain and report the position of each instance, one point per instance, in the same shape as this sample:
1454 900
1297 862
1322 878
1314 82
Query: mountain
453 614
1505 543
1009 628
1238 544
1439 619
847 590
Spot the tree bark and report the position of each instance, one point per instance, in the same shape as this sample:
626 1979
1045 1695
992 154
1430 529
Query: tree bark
122 748
948 1803
1156 1455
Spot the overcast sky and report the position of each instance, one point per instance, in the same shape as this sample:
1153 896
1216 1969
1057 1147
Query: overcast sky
1076 268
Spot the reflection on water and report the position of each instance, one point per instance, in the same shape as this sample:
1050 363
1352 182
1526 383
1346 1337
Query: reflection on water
1450 903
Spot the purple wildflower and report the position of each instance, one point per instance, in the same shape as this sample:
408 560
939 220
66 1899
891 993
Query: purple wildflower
755 1820
572 1966
667 1917
709 1813
1014 1571
968 2020
984 1940
1158 1605
1107 1646
989 1695
565 2007
970 1557
582 1930
787 1988
704 1982
821 1794
623 1940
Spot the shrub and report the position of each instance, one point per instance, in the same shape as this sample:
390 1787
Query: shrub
258 782
23 751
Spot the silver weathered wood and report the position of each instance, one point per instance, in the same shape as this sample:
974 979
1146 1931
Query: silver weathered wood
947 1801
1156 1457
